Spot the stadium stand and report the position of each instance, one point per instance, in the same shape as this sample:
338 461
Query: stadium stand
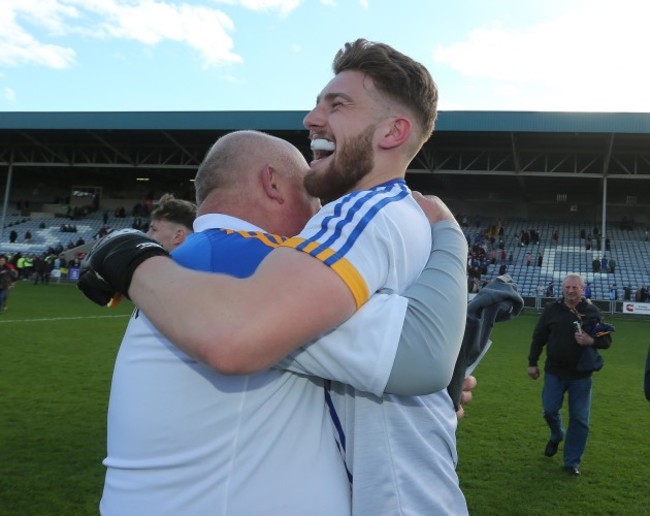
543 170
628 247
52 235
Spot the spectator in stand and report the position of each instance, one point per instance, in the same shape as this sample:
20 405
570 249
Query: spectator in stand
493 256
555 237
171 221
612 265
550 289
28 236
613 292
588 291
13 236
604 264
638 296
540 259
595 265
627 293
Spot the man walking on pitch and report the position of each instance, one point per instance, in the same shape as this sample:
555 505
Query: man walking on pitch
571 329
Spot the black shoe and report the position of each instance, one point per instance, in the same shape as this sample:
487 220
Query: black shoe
551 448
574 471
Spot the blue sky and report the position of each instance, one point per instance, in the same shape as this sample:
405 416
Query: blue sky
204 55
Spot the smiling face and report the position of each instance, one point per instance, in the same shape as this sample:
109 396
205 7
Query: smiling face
573 289
343 128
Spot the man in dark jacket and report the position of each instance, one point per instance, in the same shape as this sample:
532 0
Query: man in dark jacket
568 327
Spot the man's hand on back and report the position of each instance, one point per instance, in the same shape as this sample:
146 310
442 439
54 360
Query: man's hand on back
433 208
107 270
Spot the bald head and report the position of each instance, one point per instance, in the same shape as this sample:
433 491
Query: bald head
233 161
256 177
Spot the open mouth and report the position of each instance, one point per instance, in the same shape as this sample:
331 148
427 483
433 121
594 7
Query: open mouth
322 148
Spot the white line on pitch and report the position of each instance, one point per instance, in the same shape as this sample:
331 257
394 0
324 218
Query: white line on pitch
64 318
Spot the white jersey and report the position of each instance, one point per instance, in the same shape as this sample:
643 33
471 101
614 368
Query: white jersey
400 451
183 439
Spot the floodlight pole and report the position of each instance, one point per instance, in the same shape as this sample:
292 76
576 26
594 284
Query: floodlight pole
604 215
6 201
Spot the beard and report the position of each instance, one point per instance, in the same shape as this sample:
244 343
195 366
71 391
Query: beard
352 162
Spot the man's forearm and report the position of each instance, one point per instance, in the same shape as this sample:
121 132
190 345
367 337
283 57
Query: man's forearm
360 352
241 326
435 322
431 331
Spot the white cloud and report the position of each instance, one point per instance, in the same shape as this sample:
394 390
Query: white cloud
19 47
40 31
10 94
231 79
592 58
283 6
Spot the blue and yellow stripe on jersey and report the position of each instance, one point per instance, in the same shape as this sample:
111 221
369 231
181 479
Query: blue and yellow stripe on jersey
237 253
342 223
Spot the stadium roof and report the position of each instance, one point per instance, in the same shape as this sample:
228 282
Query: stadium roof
505 153
491 121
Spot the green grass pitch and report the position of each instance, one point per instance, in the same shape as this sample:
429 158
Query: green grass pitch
56 358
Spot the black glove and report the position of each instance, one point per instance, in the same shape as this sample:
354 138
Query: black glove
107 270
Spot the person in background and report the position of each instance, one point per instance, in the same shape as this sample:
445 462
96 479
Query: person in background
7 277
171 221
566 327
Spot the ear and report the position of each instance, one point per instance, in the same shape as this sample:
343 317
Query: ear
397 133
270 183
179 236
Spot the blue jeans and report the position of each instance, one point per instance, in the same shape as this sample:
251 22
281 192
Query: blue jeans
579 407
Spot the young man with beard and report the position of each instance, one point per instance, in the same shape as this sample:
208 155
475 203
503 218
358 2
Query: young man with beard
369 123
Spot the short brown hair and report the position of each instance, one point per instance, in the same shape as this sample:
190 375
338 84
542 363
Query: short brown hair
396 75
175 210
